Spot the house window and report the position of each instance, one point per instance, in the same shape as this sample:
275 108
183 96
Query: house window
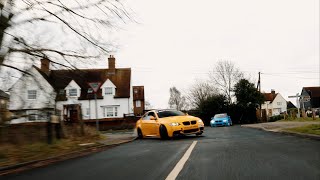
135 91
138 103
108 90
32 94
73 92
279 103
34 115
110 111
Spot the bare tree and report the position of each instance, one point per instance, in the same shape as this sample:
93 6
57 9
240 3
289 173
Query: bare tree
176 101
63 31
224 76
199 92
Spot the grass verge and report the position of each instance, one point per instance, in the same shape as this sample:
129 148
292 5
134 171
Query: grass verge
14 154
309 129
300 120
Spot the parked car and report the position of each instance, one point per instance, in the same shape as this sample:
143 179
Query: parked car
221 120
168 123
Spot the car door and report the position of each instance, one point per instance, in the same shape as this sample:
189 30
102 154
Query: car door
149 125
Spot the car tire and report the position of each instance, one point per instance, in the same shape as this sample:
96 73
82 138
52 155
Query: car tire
140 135
198 134
163 132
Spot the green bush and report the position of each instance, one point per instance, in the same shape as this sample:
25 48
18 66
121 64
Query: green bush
276 118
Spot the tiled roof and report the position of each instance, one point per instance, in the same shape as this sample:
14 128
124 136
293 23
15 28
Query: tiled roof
3 95
315 91
290 105
59 79
269 96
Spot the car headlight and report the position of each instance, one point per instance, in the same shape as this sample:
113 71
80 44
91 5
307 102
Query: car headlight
174 124
212 121
224 120
200 121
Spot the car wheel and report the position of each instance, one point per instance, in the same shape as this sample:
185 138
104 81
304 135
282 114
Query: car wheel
163 132
140 135
198 134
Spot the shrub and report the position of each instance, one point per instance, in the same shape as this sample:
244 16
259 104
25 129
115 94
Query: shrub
276 118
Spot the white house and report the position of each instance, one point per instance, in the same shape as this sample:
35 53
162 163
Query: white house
274 103
70 93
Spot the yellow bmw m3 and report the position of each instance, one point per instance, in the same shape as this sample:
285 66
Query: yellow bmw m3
168 123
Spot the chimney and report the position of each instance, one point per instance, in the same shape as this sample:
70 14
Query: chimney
45 64
112 62
273 91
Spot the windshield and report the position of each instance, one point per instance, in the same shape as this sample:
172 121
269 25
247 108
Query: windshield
220 116
162 114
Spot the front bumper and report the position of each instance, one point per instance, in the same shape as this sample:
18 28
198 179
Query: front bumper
215 124
184 130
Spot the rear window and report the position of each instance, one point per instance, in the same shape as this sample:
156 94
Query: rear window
162 114
220 115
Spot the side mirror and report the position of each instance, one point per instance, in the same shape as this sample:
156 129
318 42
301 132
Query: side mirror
152 118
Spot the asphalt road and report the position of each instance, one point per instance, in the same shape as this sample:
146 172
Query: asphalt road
222 153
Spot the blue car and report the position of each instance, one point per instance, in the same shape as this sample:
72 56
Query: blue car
221 120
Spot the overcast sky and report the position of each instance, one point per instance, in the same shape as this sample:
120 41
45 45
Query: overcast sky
178 42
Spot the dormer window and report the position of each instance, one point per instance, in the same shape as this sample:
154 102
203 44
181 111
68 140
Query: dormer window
108 90
73 92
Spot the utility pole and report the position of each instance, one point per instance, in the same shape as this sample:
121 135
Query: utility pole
259 89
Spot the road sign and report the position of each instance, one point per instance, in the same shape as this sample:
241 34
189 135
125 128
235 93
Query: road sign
95 86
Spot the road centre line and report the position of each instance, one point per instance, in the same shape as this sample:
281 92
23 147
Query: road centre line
176 170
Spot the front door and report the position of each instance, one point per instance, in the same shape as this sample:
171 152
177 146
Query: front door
73 115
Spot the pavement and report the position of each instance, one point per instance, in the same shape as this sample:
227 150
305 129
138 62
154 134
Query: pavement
118 137
221 153
111 139
281 126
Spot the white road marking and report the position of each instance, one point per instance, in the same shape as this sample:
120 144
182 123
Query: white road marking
176 170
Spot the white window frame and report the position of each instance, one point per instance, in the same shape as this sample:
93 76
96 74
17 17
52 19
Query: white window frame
73 94
32 113
138 103
32 96
110 111
108 90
